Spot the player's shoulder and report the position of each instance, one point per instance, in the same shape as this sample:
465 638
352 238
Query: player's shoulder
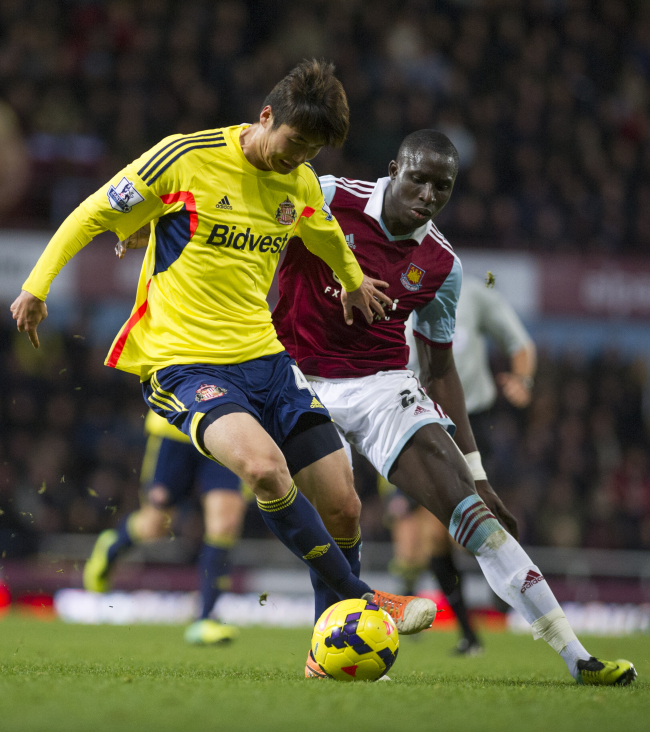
357 188
179 150
435 238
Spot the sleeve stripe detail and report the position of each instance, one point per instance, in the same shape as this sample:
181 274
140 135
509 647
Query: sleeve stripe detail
361 184
354 192
175 158
435 234
352 188
433 344
165 152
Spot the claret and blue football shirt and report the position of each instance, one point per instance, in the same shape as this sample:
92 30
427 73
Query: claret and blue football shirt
218 225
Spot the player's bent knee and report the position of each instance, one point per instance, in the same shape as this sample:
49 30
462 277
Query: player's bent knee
267 476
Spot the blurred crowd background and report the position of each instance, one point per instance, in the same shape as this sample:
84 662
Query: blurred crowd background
574 467
547 102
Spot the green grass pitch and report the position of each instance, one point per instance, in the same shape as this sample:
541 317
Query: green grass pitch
90 679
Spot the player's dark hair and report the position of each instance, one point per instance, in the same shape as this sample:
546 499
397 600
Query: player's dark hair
431 140
311 100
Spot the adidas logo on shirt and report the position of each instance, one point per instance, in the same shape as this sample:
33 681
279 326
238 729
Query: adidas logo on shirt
532 578
224 203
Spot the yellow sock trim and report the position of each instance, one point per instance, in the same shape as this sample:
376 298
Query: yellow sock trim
221 542
279 503
347 543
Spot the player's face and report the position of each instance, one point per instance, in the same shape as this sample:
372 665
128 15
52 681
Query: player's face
283 149
421 185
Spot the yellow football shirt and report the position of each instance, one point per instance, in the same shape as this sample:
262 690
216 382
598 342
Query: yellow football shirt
218 225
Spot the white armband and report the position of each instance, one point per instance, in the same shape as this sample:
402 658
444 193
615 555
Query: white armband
475 465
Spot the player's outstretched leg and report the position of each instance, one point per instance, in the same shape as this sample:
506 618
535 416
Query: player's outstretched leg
435 468
328 483
513 576
239 442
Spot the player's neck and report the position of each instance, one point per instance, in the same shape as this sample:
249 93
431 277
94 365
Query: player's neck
250 140
392 223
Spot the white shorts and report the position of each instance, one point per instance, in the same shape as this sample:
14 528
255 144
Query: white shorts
378 414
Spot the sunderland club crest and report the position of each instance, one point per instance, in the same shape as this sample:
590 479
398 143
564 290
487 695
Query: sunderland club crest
209 391
412 278
286 213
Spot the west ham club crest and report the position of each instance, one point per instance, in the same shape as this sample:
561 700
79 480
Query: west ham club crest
412 278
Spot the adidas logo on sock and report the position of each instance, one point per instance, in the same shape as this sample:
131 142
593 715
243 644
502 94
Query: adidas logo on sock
532 578
224 203
420 410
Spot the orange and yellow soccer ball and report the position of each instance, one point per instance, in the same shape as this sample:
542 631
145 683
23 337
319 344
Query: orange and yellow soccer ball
355 640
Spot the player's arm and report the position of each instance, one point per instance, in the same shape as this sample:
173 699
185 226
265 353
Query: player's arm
123 205
499 321
137 240
322 235
434 329
438 373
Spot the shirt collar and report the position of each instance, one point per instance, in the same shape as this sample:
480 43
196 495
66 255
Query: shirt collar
373 209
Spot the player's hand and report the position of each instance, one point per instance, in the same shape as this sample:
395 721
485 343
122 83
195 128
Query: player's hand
28 312
367 298
496 505
136 241
515 389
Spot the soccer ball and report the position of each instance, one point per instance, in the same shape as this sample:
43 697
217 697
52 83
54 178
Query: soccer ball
355 640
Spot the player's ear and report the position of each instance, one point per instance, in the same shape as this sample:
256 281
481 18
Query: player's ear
393 167
266 117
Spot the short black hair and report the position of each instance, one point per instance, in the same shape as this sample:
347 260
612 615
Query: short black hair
431 140
311 100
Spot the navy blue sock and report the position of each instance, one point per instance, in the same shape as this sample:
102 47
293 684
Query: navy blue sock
299 527
124 539
214 572
324 597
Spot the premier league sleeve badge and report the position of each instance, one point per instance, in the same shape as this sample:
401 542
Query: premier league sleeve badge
123 197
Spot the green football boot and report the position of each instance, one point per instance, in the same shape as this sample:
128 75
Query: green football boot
210 632
596 672
97 568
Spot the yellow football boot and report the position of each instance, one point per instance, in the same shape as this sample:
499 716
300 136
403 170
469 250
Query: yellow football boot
210 632
596 672
97 568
